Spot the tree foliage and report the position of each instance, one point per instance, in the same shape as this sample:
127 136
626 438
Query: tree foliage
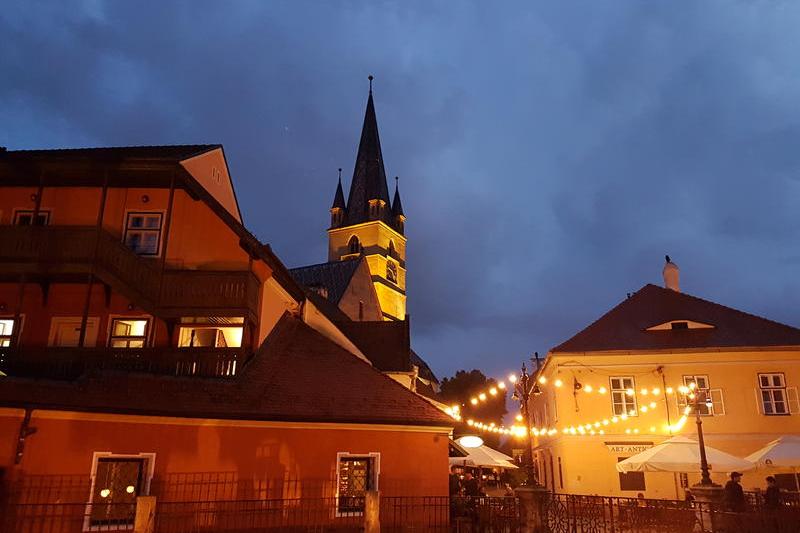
465 385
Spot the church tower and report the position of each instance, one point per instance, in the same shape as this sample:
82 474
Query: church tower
369 225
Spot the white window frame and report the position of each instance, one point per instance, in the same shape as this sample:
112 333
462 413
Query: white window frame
770 390
14 328
47 211
150 462
375 457
627 401
683 399
128 213
88 341
110 329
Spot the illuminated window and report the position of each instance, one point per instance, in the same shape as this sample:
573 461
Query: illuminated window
211 332
128 333
391 271
116 482
773 394
623 396
354 245
24 217
6 331
702 389
143 233
355 475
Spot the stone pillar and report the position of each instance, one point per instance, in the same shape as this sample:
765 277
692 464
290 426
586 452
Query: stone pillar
708 498
372 512
532 501
145 520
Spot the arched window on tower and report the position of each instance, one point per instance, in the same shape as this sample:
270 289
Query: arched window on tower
392 251
354 245
391 271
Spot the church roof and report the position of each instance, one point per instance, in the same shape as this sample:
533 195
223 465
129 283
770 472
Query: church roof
296 375
369 174
627 326
397 205
333 276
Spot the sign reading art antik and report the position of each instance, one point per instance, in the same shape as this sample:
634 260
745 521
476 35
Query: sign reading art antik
628 446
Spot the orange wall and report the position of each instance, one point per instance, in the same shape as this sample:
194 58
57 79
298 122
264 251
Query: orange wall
411 462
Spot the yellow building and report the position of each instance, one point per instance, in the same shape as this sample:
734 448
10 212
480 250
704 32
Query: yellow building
622 385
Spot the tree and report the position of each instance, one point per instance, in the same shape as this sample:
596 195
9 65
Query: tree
465 385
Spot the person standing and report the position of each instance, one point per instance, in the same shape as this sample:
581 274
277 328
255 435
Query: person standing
471 487
772 496
734 494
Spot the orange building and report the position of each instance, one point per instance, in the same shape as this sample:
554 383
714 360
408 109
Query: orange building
149 344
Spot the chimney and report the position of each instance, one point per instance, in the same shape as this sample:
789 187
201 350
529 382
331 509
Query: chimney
672 276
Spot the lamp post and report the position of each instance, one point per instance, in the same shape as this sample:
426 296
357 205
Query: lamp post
524 387
705 479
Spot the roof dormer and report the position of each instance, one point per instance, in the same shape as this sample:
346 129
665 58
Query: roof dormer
680 324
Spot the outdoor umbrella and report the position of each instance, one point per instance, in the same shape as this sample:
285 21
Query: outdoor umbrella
783 452
483 456
680 454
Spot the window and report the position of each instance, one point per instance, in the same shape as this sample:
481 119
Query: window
700 386
25 217
355 475
354 245
623 396
143 233
6 331
392 251
211 332
773 394
128 332
116 482
680 325
391 271
631 480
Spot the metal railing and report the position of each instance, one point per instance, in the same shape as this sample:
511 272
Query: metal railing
72 363
67 517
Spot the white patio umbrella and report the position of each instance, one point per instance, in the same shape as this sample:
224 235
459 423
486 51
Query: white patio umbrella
484 456
783 452
680 454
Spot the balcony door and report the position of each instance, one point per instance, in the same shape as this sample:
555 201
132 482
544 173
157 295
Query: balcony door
66 331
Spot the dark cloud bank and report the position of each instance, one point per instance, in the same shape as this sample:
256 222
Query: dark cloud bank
549 154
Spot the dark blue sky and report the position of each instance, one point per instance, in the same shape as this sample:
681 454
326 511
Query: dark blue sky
550 154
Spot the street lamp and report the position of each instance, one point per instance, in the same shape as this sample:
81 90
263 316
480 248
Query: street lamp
705 479
524 388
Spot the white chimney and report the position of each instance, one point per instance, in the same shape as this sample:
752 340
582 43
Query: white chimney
672 276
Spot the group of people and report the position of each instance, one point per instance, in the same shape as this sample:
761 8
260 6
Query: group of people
736 502
468 486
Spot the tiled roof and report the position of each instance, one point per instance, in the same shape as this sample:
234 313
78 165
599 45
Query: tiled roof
297 375
625 326
334 276
177 152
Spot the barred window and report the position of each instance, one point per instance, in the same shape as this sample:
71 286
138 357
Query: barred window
116 482
355 475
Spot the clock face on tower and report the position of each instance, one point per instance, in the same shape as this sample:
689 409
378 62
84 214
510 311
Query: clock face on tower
391 271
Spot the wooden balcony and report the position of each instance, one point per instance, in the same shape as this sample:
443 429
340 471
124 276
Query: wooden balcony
70 252
73 363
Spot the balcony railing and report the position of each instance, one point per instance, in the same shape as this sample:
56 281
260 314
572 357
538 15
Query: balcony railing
72 363
69 250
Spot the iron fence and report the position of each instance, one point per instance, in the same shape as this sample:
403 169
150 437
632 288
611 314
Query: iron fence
67 517
568 513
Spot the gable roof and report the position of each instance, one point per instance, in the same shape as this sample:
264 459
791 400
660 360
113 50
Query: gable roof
176 152
334 276
625 326
297 375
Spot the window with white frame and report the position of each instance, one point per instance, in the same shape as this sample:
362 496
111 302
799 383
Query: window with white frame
623 396
128 332
701 388
355 475
6 331
143 232
29 217
772 389
116 482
